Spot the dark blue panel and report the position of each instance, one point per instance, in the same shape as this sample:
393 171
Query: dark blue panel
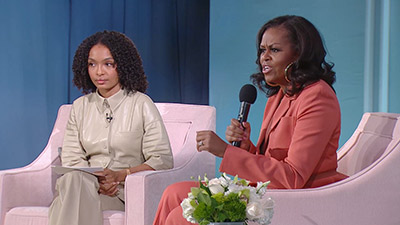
172 38
89 17
153 28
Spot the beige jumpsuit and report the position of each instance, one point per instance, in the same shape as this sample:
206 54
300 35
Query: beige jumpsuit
122 131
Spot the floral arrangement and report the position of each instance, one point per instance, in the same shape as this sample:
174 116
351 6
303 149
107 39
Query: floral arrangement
227 200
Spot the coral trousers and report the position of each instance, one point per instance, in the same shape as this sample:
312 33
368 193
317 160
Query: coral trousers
78 203
169 210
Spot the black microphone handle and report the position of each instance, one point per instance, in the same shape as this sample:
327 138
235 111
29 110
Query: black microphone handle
242 117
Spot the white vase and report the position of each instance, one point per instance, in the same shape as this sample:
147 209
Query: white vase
228 223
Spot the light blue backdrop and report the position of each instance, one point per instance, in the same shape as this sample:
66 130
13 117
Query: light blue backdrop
365 54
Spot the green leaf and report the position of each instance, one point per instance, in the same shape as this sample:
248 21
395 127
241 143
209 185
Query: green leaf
235 179
193 203
203 212
221 217
204 222
206 179
205 188
201 197
245 193
218 197
195 191
244 182
265 184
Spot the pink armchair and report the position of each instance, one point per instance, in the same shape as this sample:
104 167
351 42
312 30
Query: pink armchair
371 194
26 193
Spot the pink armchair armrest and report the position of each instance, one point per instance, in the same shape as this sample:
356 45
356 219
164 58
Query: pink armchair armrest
33 185
143 190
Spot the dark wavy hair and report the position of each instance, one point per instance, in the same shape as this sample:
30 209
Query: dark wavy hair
310 65
129 63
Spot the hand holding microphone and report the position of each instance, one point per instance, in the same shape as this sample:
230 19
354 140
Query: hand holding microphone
247 96
207 140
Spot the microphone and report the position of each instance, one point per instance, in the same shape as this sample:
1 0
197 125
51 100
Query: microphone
109 117
247 96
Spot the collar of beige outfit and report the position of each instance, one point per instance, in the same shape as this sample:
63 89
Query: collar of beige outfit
111 102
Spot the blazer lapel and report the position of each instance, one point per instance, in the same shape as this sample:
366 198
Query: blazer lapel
276 108
280 112
272 105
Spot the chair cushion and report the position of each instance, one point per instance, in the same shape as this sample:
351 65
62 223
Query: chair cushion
39 216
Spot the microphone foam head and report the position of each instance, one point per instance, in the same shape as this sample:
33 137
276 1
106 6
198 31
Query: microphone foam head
248 93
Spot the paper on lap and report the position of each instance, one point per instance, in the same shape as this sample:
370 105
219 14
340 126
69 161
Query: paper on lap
65 169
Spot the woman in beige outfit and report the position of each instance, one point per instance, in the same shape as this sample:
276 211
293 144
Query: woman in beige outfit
114 126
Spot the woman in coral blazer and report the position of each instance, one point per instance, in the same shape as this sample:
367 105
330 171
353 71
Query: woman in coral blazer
302 132
301 126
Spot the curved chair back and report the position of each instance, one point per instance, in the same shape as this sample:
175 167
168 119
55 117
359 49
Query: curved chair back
375 135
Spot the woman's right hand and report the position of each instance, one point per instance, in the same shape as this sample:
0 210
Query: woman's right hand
239 132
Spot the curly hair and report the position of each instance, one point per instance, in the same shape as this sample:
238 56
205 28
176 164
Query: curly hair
310 65
129 63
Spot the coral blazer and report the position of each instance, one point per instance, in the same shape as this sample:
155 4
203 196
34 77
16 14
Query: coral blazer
297 143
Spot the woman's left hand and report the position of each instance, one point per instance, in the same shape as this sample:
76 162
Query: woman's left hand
109 189
209 141
108 176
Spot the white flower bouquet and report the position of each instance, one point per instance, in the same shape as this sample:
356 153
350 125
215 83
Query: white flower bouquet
227 200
